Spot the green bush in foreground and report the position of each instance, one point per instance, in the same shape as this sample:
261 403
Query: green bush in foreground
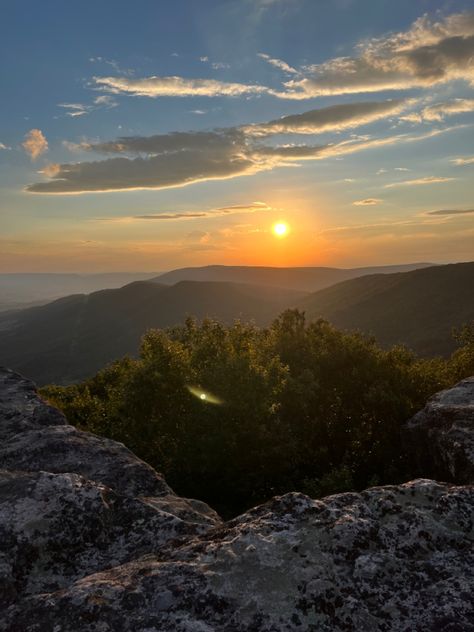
234 415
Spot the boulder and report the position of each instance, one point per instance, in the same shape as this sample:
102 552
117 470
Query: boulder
441 436
72 503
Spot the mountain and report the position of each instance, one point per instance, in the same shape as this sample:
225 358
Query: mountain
21 290
417 308
75 336
307 279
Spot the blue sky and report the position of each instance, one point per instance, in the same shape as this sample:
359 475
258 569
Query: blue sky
150 135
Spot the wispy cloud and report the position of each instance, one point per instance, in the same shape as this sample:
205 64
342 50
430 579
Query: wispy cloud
80 109
429 53
332 118
3 146
439 111
35 143
466 160
367 202
419 181
279 63
188 215
113 63
75 109
164 216
175 87
451 212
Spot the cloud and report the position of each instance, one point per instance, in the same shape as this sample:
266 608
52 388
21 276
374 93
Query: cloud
236 209
466 160
175 87
429 53
154 172
170 143
367 202
334 117
438 111
75 109
278 63
111 62
451 212
164 216
418 181
182 158
80 109
35 143
105 100
3 146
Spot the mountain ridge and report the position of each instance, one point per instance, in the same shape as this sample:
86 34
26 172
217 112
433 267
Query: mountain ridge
417 308
306 278
72 338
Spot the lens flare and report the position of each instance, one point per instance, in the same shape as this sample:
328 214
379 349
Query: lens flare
204 396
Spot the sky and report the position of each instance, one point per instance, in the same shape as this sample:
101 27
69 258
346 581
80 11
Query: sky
151 135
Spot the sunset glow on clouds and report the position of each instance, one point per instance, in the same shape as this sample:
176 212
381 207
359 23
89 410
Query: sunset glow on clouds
322 129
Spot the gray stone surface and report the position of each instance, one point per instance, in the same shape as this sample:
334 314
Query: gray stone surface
20 407
72 503
441 436
85 554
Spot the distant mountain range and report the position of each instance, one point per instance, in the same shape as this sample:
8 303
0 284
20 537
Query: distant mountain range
308 279
19 290
73 337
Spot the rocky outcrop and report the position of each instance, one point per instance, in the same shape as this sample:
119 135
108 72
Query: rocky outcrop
441 436
72 503
93 540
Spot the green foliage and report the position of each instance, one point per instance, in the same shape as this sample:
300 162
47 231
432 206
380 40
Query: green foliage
462 361
233 415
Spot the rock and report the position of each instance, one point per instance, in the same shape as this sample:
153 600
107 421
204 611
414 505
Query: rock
72 503
20 407
441 436
66 449
93 540
56 528
391 558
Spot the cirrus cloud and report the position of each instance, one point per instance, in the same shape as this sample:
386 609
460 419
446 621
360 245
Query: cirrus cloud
175 87
419 181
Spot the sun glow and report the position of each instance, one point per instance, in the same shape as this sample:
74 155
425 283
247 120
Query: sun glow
280 229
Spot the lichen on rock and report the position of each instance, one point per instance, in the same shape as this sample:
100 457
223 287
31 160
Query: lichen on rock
93 540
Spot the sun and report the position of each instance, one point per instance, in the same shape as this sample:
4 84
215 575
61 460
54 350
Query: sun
280 229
